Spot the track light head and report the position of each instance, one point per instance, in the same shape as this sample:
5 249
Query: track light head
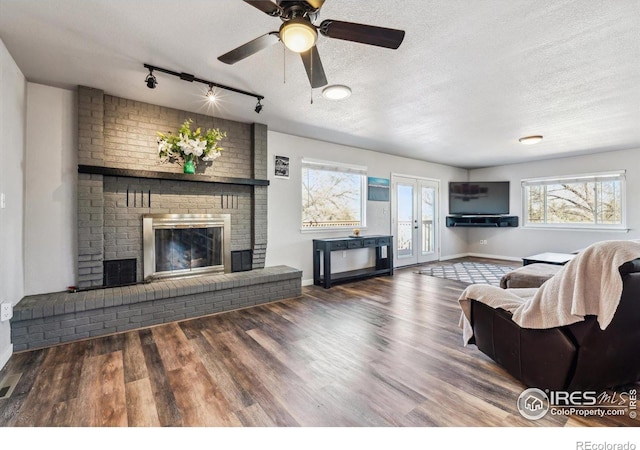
258 107
211 96
151 80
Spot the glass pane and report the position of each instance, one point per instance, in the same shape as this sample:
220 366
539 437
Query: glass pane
206 247
535 204
331 199
428 215
405 220
187 248
609 203
571 203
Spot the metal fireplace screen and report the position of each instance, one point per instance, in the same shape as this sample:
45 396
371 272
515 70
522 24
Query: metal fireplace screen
188 248
185 244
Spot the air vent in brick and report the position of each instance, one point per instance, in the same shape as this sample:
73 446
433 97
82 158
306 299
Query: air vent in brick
241 260
119 272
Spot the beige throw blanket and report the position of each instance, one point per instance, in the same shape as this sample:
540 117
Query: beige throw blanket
589 284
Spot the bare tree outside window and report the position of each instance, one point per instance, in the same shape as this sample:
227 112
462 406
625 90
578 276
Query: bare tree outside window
595 202
331 198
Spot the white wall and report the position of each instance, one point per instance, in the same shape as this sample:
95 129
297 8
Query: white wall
289 246
50 189
519 242
12 146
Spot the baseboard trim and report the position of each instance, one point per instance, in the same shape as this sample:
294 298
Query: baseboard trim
448 257
5 355
308 282
484 255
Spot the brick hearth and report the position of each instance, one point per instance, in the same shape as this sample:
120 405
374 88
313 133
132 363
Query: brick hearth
50 319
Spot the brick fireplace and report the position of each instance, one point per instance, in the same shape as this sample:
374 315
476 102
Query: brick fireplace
122 179
121 182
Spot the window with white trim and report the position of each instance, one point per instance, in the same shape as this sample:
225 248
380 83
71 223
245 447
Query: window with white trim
333 195
580 201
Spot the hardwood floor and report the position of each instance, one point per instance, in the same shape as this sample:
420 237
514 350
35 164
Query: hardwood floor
380 352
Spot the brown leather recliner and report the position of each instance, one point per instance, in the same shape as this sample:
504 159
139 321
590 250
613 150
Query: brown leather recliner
580 356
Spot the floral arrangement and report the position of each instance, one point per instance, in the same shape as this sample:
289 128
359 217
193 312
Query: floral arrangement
188 146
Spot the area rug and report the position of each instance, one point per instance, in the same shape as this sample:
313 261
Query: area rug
469 272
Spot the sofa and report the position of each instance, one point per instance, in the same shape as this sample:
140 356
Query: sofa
580 356
529 276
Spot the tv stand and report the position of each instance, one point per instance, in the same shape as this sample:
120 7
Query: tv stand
482 221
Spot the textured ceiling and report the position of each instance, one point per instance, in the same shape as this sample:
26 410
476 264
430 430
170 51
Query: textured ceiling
470 78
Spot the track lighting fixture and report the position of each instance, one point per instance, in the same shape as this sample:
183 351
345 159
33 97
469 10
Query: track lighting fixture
211 95
151 80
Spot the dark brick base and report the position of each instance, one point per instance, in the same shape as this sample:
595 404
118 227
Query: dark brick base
50 319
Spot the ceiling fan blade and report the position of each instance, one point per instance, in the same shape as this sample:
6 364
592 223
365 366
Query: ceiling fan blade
266 6
365 34
313 66
248 49
316 4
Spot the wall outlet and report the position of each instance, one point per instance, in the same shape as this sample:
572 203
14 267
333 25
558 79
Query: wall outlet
3 201
6 312
483 242
344 254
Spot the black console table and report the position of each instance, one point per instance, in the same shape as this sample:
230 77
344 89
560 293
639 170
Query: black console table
324 247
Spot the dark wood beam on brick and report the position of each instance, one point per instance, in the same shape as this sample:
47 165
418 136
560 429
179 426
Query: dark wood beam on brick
148 174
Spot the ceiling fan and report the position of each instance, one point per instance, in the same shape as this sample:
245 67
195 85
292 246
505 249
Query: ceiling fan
299 34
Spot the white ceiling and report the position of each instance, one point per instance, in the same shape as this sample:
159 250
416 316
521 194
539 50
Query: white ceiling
471 77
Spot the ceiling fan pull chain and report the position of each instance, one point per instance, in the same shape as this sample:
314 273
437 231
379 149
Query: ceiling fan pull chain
311 88
284 65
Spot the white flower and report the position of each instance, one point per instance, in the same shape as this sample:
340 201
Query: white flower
212 156
189 145
198 146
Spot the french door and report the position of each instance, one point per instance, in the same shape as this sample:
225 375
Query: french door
415 220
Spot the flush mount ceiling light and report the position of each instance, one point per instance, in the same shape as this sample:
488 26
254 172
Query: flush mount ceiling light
298 35
211 96
336 92
530 140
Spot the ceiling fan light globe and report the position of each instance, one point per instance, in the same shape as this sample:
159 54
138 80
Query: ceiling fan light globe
298 35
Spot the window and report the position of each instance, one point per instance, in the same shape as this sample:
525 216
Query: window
333 195
588 201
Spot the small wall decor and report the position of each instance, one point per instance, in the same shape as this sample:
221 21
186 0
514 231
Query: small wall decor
378 189
282 167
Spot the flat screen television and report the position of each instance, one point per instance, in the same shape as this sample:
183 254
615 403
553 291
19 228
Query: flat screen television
478 198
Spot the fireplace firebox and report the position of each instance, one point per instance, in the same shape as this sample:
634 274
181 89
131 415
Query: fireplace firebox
185 244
